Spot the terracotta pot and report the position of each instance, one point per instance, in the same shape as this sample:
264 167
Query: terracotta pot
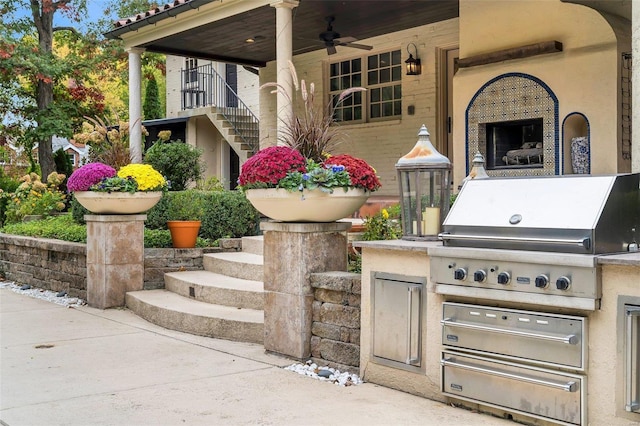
184 233
117 202
307 206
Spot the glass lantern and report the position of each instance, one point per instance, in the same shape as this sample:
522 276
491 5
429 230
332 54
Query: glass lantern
424 176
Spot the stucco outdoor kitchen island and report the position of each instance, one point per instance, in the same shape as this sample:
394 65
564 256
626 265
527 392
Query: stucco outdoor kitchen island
402 306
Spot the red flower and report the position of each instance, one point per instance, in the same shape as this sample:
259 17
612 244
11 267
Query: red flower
362 174
271 164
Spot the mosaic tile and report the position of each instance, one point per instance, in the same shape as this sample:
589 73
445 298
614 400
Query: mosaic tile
514 97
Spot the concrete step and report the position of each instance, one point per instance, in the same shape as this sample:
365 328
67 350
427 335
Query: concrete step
254 244
209 287
247 266
172 311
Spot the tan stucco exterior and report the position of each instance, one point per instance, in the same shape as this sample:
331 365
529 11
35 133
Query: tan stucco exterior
605 369
585 76
381 143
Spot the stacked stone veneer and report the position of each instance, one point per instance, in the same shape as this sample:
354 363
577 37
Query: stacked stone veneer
45 263
61 266
335 330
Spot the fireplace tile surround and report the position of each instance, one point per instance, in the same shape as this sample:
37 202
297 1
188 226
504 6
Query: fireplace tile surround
514 97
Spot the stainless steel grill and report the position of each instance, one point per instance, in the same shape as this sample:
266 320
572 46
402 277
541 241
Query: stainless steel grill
531 244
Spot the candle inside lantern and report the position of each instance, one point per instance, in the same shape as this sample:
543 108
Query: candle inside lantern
431 221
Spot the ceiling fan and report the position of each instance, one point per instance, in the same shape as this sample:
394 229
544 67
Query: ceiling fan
332 39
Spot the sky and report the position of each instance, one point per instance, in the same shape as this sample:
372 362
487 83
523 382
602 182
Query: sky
95 11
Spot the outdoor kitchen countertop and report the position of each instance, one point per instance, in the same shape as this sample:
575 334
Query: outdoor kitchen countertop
625 259
405 245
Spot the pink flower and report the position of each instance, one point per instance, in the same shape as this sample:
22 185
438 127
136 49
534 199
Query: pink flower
269 165
362 174
88 175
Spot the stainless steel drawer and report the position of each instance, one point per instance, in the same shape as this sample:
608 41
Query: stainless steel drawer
531 337
536 392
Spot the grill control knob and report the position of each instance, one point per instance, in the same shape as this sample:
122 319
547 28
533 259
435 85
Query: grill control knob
563 283
504 278
460 274
479 276
542 281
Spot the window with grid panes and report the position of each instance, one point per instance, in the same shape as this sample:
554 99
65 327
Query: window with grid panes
383 98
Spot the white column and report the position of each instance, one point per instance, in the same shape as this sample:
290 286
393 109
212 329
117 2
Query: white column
135 105
635 82
284 54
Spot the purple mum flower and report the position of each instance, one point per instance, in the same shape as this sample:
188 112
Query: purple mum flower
88 175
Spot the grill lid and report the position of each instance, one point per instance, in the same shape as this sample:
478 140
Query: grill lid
573 214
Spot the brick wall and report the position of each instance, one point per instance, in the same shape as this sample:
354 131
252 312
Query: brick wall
335 331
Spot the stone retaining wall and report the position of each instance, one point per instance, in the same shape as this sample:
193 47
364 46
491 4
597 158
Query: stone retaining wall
335 331
45 263
61 266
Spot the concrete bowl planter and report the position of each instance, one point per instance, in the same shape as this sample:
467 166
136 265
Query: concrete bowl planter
117 202
307 206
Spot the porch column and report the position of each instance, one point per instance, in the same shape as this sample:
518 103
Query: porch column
635 83
284 54
135 104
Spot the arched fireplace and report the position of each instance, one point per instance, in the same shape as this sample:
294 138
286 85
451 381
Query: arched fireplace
513 121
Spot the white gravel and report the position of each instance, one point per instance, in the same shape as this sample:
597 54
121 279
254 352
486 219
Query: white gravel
327 374
48 295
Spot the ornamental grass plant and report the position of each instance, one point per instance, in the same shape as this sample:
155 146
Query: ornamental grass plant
304 161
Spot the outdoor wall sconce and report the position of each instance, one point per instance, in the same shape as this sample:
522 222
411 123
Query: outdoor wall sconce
413 65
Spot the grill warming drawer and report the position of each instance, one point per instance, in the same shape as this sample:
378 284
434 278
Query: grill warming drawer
522 336
532 391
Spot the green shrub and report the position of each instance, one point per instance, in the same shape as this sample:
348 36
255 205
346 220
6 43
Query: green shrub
157 238
382 225
225 214
228 214
60 227
34 197
186 205
7 186
78 211
178 162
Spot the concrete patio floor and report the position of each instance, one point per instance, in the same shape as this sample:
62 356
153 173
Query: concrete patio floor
84 366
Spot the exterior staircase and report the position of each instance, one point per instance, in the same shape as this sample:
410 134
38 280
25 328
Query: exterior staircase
225 300
206 93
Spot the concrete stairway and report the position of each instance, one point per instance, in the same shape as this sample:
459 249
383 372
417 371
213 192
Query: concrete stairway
225 301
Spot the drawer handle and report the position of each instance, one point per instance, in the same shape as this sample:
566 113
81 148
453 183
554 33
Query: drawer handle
571 339
567 387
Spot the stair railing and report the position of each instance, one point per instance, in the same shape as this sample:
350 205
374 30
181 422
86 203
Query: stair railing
204 87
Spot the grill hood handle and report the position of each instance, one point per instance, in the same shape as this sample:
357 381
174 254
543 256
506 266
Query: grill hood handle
582 242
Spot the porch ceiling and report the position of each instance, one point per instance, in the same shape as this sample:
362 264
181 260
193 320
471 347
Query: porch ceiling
224 40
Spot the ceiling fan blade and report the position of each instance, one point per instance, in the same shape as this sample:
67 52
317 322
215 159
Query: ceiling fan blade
331 50
345 39
358 46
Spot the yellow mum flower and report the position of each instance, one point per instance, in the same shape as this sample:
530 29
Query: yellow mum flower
147 177
385 214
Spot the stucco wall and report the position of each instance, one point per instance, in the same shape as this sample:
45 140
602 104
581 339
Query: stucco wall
584 76
380 143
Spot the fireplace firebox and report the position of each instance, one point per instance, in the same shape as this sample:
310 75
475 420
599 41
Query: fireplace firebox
515 144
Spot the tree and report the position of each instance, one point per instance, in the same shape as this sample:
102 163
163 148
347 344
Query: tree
35 103
52 77
152 108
